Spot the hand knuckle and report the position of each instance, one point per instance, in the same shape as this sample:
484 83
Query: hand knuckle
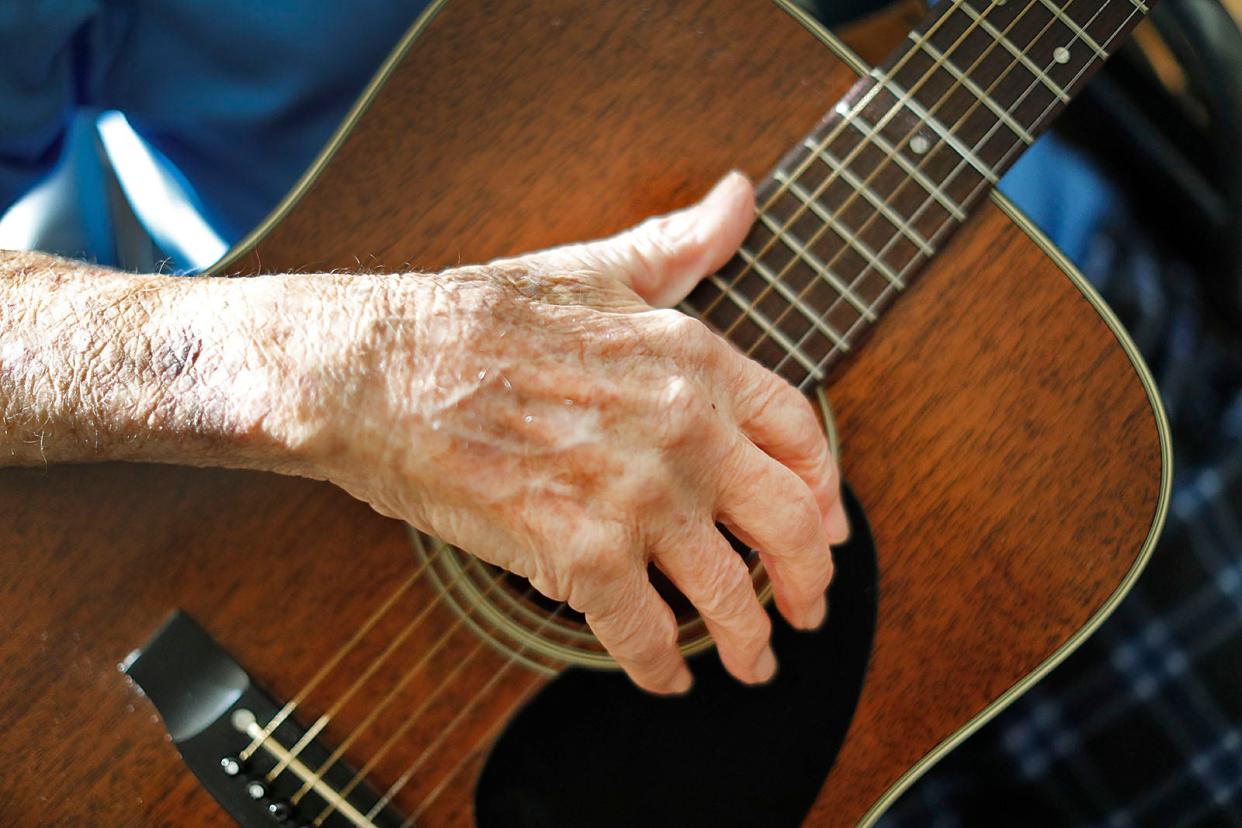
654 242
655 638
592 564
804 520
687 330
684 409
643 638
757 635
727 587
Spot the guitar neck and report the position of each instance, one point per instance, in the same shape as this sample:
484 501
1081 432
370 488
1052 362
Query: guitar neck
849 215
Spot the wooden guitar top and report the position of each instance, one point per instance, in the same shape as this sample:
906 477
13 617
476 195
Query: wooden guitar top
998 427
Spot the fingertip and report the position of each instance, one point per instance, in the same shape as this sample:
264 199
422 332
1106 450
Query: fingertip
734 185
679 684
682 681
814 617
694 241
765 666
731 206
836 524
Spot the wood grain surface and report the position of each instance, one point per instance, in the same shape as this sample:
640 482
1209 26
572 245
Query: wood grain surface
1000 438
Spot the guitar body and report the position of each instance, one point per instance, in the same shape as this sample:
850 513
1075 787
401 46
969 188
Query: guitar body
998 429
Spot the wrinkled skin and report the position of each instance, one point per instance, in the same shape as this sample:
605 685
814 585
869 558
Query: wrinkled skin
539 412
569 432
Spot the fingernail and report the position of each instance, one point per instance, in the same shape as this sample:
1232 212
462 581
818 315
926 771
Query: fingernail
836 524
679 224
765 666
814 617
719 188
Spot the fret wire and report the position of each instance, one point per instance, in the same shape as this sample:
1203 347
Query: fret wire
888 116
761 319
1077 75
911 169
845 111
1030 87
1078 31
1017 53
848 237
992 130
701 315
882 122
889 213
795 301
841 107
821 269
946 224
947 137
969 85
1123 27
940 58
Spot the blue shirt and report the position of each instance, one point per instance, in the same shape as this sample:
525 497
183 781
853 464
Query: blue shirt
237 95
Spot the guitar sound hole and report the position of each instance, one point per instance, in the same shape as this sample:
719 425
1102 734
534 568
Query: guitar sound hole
591 749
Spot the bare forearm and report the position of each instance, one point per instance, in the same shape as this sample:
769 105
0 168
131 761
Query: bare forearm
100 365
536 411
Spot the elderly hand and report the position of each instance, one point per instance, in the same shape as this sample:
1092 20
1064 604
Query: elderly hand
540 413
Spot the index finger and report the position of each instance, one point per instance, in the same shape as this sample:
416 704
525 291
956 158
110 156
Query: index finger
782 422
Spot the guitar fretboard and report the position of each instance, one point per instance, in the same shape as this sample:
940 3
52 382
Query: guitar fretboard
849 216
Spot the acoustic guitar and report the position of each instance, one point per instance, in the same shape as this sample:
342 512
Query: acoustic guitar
190 646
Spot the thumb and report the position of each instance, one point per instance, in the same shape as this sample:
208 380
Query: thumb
663 258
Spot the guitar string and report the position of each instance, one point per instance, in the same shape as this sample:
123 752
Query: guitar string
956 3
481 744
327 666
856 107
408 773
410 721
1035 124
379 754
380 612
388 698
323 720
766 330
1033 84
422 708
313 731
1121 28
905 182
359 681
765 335
323 671
974 106
897 108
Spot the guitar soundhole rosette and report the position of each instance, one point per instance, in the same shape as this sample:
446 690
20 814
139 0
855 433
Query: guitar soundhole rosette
545 635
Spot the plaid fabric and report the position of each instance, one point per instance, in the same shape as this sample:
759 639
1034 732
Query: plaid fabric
1142 726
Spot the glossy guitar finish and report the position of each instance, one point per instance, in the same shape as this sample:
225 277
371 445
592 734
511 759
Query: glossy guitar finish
998 427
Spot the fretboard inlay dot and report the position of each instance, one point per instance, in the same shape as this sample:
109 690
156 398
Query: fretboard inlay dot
850 215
